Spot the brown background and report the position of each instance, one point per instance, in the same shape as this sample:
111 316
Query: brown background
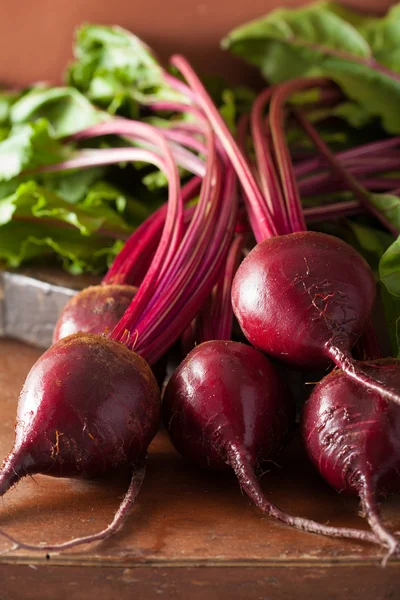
36 35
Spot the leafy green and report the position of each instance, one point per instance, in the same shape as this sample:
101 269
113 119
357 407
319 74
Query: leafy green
389 271
35 221
369 241
389 206
359 53
116 70
32 201
7 99
65 109
23 242
28 146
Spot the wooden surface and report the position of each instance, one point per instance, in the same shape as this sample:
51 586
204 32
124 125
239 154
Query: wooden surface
36 36
185 519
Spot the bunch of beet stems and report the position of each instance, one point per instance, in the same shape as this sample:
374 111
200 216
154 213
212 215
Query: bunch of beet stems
184 270
279 210
311 183
280 203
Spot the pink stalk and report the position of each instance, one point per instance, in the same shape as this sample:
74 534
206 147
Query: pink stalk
326 212
200 288
142 132
359 191
189 274
253 194
211 187
241 135
284 162
265 164
372 148
328 182
222 317
128 265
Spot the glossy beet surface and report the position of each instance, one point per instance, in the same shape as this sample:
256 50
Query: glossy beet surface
227 393
297 295
352 434
95 309
225 407
88 405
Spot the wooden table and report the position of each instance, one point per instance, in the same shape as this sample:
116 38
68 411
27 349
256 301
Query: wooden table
192 534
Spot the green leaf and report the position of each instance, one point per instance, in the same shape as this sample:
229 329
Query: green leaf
326 40
389 206
23 242
72 186
116 70
31 202
389 272
7 99
29 145
372 243
65 108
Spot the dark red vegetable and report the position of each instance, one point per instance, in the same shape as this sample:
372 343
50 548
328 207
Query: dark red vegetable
96 309
352 435
87 406
226 407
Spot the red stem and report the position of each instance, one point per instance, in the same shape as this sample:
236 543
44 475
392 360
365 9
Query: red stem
284 162
265 164
128 263
222 318
252 191
359 191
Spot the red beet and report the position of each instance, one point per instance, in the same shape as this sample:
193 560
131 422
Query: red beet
226 407
87 406
352 435
96 309
306 298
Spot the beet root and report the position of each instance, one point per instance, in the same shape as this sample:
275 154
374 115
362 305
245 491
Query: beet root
95 309
87 406
352 435
226 407
305 298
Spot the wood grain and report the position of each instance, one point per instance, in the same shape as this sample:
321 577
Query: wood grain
31 582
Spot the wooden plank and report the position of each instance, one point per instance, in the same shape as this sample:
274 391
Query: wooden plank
184 516
277 583
32 299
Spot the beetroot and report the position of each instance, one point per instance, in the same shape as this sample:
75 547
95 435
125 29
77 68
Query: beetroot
226 407
306 298
291 305
352 435
224 394
87 406
96 309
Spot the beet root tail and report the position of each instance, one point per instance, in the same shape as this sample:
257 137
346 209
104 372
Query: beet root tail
373 516
11 472
119 518
365 374
249 483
